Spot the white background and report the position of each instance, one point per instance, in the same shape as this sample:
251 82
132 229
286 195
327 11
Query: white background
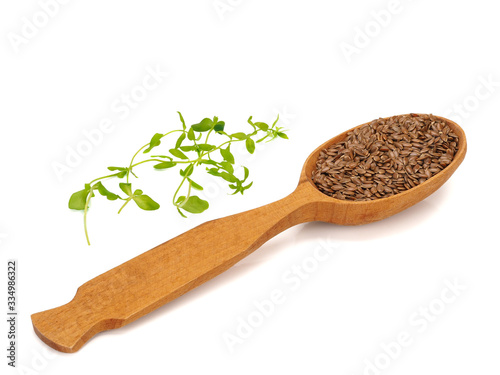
255 58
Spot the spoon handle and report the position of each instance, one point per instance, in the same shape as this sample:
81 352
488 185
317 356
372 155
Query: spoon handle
148 281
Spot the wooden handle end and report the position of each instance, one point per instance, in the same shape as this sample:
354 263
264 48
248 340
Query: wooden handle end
67 328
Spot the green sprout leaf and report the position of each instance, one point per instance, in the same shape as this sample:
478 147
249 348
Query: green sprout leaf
105 192
178 153
227 166
206 147
219 127
228 176
282 135
145 202
117 169
190 148
126 188
122 171
240 136
226 154
165 165
250 145
182 120
77 200
208 161
246 187
205 125
262 126
194 185
188 171
179 140
194 204
155 141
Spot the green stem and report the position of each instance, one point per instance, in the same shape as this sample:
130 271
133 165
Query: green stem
208 135
132 161
187 197
124 204
142 148
85 210
177 191
148 160
101 178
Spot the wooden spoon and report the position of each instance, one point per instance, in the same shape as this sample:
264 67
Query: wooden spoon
171 269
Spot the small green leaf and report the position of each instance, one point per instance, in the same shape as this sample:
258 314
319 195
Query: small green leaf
178 153
155 141
188 148
227 166
262 126
282 135
182 120
188 171
239 136
77 200
138 192
191 135
206 147
219 127
195 185
105 192
145 202
250 144
228 177
117 169
122 173
205 125
275 121
226 154
246 187
194 204
213 171
126 188
165 165
180 139
180 212
208 161
247 172
260 140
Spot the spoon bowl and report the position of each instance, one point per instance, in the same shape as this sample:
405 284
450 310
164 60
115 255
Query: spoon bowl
148 281
344 212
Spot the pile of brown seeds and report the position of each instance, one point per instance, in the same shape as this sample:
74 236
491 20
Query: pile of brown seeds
385 157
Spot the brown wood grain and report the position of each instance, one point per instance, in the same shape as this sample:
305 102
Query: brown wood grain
150 280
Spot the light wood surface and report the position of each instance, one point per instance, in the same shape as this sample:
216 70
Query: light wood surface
171 269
